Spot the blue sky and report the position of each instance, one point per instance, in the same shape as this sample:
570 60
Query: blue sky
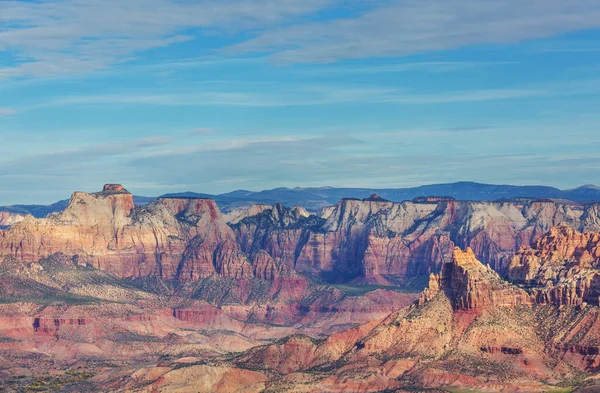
217 95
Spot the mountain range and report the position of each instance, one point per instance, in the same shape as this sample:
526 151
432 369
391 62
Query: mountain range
368 295
316 198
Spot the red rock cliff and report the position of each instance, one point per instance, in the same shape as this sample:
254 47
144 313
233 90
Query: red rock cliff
169 238
562 267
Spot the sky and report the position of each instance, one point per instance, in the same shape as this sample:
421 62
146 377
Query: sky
217 95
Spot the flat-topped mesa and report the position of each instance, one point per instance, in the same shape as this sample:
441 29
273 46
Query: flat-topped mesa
350 212
114 189
433 199
472 286
170 238
91 225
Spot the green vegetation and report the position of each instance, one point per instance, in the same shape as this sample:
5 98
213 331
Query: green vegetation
359 290
49 383
51 299
548 390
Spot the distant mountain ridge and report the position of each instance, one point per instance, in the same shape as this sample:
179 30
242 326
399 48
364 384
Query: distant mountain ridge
314 198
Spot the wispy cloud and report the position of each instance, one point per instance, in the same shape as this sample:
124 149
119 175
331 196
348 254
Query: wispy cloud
405 27
7 111
69 36
65 159
294 96
394 67
202 132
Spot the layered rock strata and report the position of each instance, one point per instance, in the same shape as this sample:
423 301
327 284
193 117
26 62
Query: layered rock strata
563 267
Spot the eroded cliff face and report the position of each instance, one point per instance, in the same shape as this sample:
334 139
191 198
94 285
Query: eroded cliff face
170 238
8 218
370 241
273 237
380 242
472 286
562 267
470 329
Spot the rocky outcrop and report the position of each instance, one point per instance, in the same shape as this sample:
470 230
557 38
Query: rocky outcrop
381 242
277 232
371 241
9 218
237 215
562 267
472 286
469 330
170 238
355 240
264 266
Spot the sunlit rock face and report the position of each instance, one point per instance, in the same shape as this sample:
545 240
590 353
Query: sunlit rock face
369 241
169 238
468 315
380 242
562 266
9 218
470 285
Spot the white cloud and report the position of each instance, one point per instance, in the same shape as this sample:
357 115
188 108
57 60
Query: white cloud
404 27
309 95
69 36
426 66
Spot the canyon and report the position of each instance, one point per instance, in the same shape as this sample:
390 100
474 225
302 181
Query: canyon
365 295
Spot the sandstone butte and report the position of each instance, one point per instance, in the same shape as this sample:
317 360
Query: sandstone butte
181 239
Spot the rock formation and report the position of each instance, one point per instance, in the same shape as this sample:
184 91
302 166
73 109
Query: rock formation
381 242
9 218
469 330
471 286
170 238
369 241
562 267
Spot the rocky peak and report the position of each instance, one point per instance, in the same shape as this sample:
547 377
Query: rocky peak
472 286
278 211
111 207
562 267
286 217
235 216
559 247
114 189
299 212
9 218
189 207
375 198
